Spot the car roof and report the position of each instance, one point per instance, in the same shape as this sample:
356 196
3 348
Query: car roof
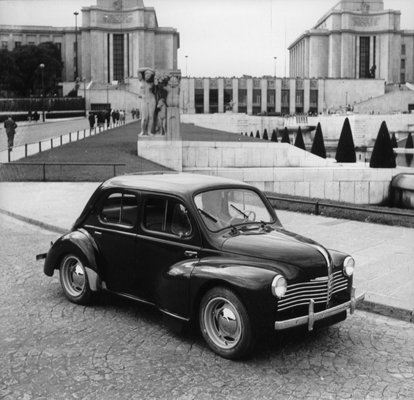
173 183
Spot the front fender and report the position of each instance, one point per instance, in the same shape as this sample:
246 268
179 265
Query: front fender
78 242
250 280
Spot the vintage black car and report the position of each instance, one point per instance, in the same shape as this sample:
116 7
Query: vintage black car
206 248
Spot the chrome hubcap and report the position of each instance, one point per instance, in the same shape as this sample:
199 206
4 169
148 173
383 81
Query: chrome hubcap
73 276
222 323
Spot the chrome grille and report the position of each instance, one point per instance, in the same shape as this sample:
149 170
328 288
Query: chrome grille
319 289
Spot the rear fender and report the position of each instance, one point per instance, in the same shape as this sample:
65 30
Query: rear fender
81 244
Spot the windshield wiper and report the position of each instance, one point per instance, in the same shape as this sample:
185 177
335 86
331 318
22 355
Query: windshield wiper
206 214
240 211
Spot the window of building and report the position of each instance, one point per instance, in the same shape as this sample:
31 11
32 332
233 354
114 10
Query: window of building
402 64
299 97
270 97
402 77
17 44
242 97
4 45
199 100
227 97
213 93
285 98
118 63
31 43
257 97
403 49
364 67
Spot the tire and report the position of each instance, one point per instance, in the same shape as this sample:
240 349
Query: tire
225 324
74 280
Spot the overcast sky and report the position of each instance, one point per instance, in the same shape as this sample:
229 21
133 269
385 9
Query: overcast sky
220 37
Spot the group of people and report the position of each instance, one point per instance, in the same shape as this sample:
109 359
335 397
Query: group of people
35 116
135 113
104 116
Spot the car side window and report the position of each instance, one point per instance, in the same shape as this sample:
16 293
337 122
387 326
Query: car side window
120 208
167 216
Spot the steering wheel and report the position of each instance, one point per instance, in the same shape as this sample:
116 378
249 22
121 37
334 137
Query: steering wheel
248 213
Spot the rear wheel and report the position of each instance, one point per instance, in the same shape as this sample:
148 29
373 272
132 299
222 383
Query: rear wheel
225 324
74 280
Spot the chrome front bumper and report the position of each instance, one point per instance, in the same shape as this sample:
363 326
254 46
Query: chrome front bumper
312 317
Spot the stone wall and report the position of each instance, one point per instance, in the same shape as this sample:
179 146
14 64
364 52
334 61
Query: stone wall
277 167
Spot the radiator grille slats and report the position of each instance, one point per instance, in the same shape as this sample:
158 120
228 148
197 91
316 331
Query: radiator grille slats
320 290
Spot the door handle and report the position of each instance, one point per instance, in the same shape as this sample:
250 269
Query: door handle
189 253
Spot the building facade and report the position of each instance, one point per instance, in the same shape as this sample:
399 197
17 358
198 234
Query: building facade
113 39
284 96
356 39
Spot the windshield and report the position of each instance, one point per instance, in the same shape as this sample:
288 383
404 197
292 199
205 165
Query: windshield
226 207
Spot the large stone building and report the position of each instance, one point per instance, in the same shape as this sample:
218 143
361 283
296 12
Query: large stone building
356 39
114 38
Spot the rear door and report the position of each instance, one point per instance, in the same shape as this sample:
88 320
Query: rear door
116 238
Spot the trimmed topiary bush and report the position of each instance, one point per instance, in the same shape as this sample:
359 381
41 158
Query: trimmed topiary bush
258 135
274 136
382 154
318 145
345 153
299 140
285 137
265 137
251 134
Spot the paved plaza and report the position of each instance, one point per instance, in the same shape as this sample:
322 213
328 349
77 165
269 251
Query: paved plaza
116 349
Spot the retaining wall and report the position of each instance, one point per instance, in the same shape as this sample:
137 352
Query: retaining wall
275 167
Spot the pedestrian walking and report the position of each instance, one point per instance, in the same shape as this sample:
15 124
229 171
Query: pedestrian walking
133 113
10 127
108 118
91 120
36 116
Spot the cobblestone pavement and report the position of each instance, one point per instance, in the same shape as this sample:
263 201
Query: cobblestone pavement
114 349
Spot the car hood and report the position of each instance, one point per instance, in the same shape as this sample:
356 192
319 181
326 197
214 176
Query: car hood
281 246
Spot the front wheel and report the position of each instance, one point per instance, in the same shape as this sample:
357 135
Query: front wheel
225 324
74 280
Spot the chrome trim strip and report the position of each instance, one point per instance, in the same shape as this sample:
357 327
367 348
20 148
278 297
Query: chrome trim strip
311 318
99 228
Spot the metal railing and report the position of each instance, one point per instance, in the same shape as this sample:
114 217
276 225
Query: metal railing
62 164
318 204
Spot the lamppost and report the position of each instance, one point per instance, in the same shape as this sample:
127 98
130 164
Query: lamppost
186 57
84 92
76 44
42 66
107 95
275 58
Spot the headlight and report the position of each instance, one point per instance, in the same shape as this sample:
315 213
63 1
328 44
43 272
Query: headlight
279 286
349 266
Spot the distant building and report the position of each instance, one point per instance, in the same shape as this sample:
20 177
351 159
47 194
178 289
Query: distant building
356 39
114 38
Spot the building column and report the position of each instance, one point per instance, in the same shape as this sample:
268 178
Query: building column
292 92
249 87
357 57
111 57
206 87
278 95
263 87
220 87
